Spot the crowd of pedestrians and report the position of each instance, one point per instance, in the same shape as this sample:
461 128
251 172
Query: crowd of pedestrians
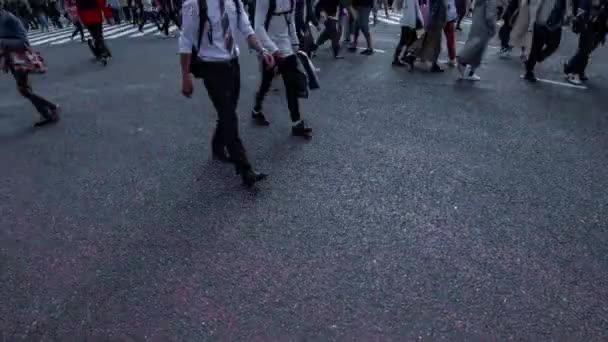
45 15
280 32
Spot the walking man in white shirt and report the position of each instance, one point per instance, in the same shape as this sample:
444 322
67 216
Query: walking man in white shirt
275 26
215 60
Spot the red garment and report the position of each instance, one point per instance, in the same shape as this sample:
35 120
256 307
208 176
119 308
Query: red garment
90 11
450 38
71 9
27 61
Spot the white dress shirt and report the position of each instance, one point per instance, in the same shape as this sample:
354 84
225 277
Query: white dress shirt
281 34
216 50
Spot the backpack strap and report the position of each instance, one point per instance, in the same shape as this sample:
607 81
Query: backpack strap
239 7
272 6
203 18
287 16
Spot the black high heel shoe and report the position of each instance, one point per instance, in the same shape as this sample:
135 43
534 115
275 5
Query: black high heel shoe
409 61
250 177
222 157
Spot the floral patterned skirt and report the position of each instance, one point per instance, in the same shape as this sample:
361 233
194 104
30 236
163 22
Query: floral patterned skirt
26 61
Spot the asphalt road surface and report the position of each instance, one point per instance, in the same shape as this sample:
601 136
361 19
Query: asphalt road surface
423 208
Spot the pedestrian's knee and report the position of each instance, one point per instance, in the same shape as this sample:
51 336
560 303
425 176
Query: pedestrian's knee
25 91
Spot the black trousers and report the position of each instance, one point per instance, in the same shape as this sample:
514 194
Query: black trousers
144 16
126 11
99 46
43 106
138 13
116 14
544 43
408 37
509 17
223 83
588 41
288 67
56 22
305 38
78 29
168 17
330 32
505 35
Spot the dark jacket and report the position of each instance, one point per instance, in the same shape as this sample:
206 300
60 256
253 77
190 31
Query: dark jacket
328 6
13 35
511 9
304 15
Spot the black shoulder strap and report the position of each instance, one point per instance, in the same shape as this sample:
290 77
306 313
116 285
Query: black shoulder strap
239 8
203 18
272 6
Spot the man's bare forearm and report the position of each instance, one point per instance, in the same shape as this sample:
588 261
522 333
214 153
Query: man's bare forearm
254 44
184 59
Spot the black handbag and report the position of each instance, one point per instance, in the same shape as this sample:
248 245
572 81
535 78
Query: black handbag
196 63
309 69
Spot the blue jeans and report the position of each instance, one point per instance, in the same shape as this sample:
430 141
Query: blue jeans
43 21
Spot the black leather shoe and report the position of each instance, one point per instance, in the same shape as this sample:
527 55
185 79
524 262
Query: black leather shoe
530 77
301 130
222 157
436 68
399 63
50 118
250 177
410 60
259 119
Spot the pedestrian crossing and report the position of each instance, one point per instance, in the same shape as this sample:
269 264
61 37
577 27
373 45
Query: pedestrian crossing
394 18
64 35
127 30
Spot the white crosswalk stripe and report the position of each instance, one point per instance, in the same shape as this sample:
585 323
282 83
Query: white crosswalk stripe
145 32
171 30
395 18
63 36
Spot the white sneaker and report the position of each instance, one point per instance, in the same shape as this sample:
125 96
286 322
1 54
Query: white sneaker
452 63
472 77
465 71
461 69
504 53
523 57
574 79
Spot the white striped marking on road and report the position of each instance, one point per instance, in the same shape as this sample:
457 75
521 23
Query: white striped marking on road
129 28
172 29
388 21
375 50
563 84
123 33
88 35
151 29
47 36
62 36
38 34
489 46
